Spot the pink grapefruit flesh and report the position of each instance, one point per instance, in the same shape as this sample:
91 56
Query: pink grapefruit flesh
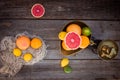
72 40
37 10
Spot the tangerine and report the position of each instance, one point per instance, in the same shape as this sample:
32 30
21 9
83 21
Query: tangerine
36 43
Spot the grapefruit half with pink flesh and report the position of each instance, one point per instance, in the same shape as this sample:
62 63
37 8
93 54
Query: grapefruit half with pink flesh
72 40
37 10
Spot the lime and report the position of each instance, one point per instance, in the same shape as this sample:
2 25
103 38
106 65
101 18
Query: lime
62 35
17 52
67 69
64 62
27 57
86 31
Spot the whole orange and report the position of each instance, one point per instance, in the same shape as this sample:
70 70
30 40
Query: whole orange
74 28
36 43
23 42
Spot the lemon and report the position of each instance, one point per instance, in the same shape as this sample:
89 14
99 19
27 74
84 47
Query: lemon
62 35
64 62
27 57
67 69
17 52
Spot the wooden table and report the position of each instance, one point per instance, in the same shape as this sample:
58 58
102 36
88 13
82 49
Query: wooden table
103 17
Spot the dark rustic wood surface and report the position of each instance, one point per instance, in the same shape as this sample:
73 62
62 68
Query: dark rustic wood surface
102 16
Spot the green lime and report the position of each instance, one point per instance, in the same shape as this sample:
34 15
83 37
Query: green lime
86 31
67 69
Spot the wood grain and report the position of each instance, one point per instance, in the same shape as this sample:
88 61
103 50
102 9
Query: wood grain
49 29
82 70
62 9
102 16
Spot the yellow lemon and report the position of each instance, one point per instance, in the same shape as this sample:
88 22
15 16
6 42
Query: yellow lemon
27 57
17 52
64 62
62 35
36 43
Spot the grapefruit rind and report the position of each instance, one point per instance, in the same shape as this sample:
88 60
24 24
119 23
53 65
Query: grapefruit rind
73 40
37 4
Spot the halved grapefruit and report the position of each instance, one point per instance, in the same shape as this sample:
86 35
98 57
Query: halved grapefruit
37 10
72 40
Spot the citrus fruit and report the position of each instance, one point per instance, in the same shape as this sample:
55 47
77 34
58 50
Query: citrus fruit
86 31
64 46
61 35
85 42
23 42
64 62
17 52
74 28
37 10
72 40
36 43
27 57
67 69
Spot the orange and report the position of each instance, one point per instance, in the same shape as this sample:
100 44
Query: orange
23 42
36 43
85 42
64 46
62 35
74 28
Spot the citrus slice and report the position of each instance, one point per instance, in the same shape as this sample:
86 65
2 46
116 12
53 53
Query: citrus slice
86 31
27 57
64 46
64 62
17 52
36 43
72 40
67 69
37 10
74 28
23 42
85 42
62 35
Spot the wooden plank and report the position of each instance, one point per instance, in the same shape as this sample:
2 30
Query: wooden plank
100 29
24 74
82 70
62 9
53 27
